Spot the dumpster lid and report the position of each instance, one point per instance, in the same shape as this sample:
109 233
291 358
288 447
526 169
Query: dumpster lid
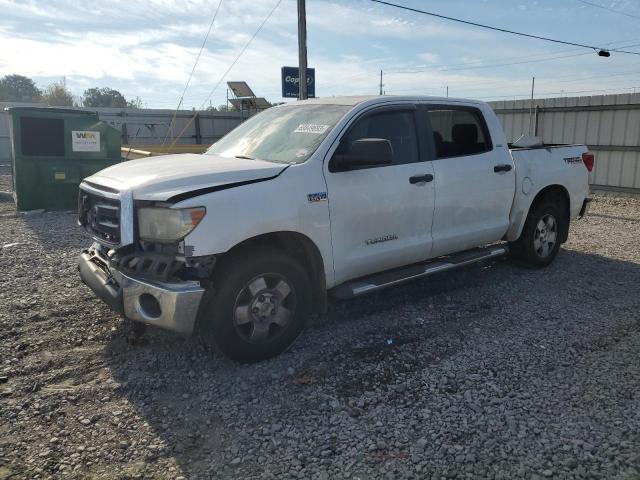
49 110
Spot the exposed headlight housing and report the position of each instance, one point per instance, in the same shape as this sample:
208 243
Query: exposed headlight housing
167 225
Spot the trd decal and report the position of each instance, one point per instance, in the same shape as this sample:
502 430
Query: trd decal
573 160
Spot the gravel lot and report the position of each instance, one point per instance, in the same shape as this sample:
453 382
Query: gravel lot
494 371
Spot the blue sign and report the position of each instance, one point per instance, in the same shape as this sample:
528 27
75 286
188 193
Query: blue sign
290 79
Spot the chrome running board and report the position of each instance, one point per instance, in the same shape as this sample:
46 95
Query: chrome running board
396 276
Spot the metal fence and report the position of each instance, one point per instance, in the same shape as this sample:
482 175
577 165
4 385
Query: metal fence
146 126
608 124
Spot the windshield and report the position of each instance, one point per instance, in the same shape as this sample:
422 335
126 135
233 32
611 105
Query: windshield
281 134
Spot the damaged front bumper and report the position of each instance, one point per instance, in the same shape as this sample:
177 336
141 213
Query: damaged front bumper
170 305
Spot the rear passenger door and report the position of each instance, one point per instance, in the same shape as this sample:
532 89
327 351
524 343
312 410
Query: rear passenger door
474 180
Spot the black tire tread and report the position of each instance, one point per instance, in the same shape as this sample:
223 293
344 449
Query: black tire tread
216 317
522 248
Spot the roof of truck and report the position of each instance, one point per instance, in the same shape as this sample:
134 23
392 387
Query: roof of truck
358 99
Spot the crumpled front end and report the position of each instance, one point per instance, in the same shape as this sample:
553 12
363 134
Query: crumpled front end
172 304
146 282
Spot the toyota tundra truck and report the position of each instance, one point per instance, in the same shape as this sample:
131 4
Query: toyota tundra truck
326 197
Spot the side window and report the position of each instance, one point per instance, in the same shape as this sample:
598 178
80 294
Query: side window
458 132
396 126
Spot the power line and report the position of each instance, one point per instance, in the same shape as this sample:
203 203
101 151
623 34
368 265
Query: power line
494 65
173 118
606 75
619 12
505 83
475 67
564 92
472 65
503 30
621 44
255 34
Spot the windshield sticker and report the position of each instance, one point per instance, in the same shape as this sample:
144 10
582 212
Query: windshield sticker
302 153
311 128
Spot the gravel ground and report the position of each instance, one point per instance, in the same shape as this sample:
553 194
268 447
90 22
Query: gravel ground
6 205
493 371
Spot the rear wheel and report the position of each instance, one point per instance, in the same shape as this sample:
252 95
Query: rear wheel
539 241
260 306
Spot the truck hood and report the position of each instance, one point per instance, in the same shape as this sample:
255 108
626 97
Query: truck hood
161 178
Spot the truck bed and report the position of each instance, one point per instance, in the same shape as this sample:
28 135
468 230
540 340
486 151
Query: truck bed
543 146
546 165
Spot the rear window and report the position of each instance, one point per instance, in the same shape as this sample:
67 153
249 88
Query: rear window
458 132
42 137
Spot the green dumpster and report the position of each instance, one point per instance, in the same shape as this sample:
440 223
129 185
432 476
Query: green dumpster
52 150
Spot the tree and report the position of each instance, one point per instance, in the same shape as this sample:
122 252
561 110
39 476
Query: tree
16 88
227 108
135 103
57 95
103 97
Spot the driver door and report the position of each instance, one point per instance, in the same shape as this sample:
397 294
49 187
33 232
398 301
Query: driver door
381 215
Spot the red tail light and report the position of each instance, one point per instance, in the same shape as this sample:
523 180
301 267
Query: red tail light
589 159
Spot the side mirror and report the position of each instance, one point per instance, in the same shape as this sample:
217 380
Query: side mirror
366 152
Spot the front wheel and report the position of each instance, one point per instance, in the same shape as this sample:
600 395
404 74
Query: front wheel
539 241
260 305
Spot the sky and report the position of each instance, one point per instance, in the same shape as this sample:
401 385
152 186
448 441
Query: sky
147 48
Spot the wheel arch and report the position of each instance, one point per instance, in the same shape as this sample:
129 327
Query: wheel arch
304 250
555 190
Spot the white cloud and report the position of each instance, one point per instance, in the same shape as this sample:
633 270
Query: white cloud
147 48
379 22
429 57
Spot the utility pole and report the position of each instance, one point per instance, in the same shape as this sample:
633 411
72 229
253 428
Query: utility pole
533 86
302 50
380 82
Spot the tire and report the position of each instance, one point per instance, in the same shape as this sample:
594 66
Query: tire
541 235
260 305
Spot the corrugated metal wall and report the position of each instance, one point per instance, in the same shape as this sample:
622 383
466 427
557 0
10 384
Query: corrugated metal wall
608 124
145 126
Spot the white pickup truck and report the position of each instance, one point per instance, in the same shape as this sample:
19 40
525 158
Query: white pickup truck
345 196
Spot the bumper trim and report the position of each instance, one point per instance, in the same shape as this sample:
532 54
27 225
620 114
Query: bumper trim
102 284
179 302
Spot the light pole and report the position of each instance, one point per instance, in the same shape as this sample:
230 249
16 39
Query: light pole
302 50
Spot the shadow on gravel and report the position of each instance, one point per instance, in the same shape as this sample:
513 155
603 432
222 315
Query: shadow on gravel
197 402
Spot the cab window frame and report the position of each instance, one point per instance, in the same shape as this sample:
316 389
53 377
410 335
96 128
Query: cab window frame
425 109
422 149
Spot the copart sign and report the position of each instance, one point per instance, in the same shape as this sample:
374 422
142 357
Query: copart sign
291 78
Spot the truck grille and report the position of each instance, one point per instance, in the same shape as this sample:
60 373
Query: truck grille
100 216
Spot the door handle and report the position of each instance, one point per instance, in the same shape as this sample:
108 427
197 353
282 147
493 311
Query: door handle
420 178
502 168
